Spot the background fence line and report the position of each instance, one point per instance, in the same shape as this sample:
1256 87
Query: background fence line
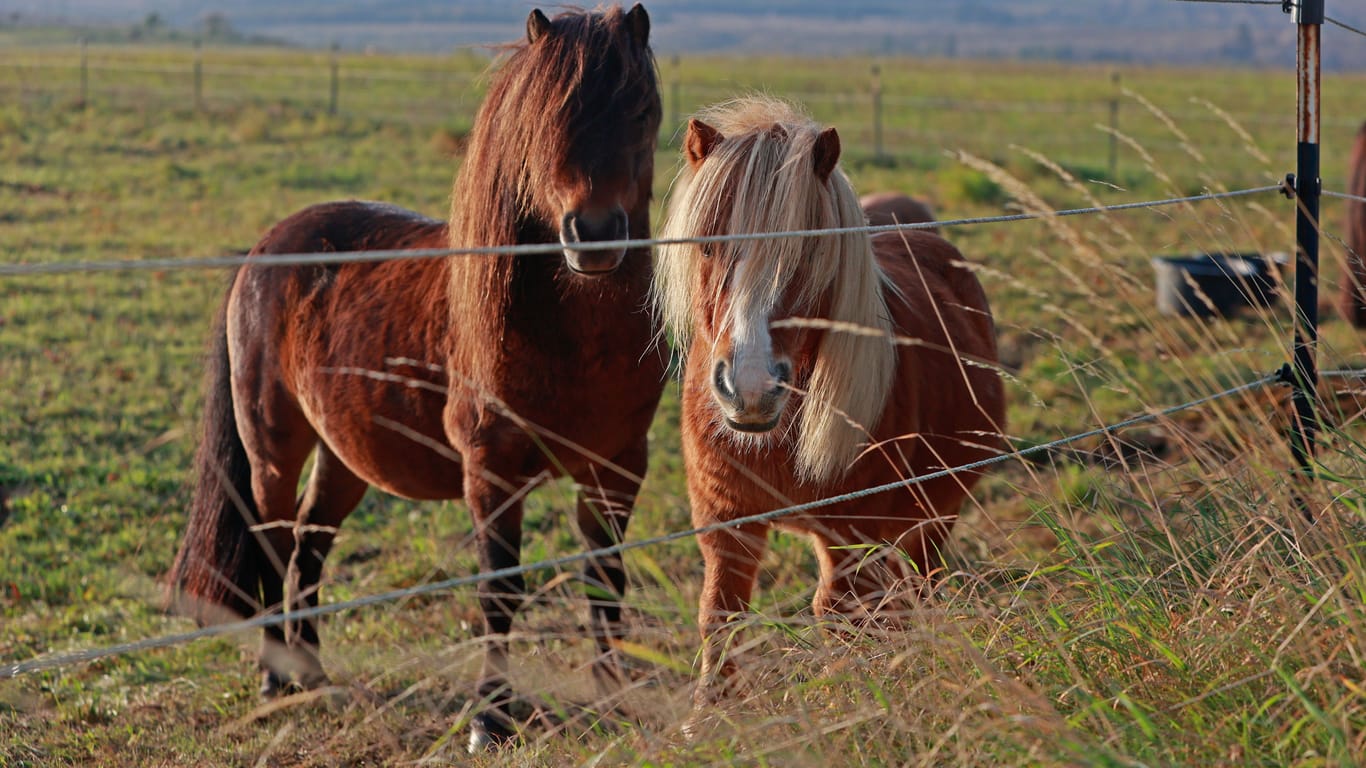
334 80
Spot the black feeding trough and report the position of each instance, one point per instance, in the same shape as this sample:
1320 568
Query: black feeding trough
1216 284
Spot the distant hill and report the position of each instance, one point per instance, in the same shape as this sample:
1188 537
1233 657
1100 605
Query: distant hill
1130 31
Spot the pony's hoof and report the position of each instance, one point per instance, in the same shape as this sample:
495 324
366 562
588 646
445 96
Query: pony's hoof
697 726
275 685
489 731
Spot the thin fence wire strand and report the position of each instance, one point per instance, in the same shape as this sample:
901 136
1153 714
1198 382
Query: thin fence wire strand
59 661
1344 25
344 257
1285 5
1343 196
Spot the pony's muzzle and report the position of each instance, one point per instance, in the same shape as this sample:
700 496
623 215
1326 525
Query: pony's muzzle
580 227
751 404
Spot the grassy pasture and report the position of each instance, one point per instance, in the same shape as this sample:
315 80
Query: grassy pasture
1170 609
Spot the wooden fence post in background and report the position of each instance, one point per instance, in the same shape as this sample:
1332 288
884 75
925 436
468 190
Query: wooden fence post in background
675 107
85 76
878 157
335 86
1114 129
198 76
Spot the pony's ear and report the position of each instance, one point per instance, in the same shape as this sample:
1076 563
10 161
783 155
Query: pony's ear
826 153
699 142
537 26
638 21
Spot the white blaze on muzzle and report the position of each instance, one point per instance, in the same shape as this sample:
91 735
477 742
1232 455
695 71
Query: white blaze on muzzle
750 385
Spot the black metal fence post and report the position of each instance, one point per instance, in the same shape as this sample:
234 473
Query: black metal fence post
1308 15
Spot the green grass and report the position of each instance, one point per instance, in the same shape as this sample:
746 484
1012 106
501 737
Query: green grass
1160 613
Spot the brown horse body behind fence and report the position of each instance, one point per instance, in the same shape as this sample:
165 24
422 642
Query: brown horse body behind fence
794 388
467 377
1352 290
886 208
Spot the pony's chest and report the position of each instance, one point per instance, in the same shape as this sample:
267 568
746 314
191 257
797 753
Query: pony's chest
582 381
579 399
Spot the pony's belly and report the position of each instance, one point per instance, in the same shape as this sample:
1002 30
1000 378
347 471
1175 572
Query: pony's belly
401 451
406 463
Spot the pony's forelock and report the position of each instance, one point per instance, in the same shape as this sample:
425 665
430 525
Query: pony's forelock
760 178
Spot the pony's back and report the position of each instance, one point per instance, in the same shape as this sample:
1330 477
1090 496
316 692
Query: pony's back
940 304
886 208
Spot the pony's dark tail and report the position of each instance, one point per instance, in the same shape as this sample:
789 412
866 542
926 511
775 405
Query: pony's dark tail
215 576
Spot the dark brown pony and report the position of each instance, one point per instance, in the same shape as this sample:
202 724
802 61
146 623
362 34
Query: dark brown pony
815 367
469 377
886 208
1352 291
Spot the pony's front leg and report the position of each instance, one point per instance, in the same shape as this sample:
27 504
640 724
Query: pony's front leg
606 495
497 513
731 559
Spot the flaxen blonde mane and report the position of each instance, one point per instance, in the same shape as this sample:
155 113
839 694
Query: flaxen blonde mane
760 178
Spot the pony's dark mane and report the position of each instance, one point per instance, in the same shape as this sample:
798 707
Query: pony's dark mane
545 100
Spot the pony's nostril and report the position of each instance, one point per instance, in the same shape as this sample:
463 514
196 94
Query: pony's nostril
583 227
782 373
578 229
721 381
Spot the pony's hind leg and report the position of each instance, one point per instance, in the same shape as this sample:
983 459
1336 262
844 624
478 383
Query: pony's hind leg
275 497
872 577
854 577
332 493
281 440
606 496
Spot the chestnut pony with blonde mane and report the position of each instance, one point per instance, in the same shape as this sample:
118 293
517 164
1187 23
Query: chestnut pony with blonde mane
474 377
816 366
1352 290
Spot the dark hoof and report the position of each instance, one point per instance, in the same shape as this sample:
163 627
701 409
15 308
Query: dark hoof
490 730
275 685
